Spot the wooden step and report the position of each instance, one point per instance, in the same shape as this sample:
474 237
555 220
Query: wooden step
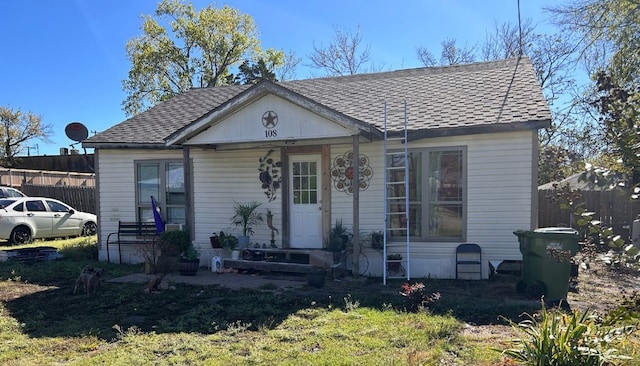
267 266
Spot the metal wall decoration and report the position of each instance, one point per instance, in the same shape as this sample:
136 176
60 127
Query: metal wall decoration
270 175
342 172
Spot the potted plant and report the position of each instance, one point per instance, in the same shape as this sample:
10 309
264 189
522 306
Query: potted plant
393 262
377 239
172 244
189 261
229 242
317 277
246 217
215 241
338 238
337 241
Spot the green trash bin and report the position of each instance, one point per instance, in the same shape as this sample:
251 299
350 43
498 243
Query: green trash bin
544 270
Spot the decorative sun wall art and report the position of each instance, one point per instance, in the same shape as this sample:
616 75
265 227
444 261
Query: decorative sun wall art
270 175
342 172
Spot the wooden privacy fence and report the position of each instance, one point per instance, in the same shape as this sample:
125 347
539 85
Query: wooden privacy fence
17 177
614 208
80 198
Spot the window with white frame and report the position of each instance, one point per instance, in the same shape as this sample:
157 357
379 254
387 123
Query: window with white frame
164 180
437 194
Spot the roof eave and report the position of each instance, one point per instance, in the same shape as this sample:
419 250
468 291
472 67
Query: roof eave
128 145
479 129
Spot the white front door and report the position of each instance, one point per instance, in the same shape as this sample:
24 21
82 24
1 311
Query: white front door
306 201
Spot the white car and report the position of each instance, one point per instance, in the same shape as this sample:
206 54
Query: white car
6 192
23 219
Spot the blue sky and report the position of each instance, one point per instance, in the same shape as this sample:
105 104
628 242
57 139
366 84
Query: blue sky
65 60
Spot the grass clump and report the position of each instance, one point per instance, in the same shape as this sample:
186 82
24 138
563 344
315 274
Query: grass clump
555 337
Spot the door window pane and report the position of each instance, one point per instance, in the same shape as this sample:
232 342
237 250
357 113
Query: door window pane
305 182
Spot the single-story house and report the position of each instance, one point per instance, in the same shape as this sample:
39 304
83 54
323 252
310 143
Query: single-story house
472 153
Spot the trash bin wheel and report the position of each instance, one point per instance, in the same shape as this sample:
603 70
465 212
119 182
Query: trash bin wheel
534 290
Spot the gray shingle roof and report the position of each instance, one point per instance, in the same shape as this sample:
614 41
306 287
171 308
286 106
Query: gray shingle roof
462 97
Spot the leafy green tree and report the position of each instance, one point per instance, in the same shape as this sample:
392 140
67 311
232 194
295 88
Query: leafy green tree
556 163
17 129
605 33
620 111
183 48
250 72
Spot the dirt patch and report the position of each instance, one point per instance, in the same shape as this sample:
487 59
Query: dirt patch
600 288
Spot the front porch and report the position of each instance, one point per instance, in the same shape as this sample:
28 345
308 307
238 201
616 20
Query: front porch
288 260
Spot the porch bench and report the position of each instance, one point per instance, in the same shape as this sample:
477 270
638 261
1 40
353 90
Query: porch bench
132 233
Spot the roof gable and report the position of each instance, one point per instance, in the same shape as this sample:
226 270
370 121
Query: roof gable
240 119
269 118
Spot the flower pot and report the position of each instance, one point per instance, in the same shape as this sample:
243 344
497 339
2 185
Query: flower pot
316 279
243 241
167 263
188 267
393 266
235 254
215 242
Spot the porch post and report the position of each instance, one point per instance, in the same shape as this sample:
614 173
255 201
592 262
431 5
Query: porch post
188 191
355 183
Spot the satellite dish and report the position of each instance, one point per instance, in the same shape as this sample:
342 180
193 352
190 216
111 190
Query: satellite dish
76 131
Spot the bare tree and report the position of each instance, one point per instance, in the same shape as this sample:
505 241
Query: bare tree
426 57
16 129
605 33
453 55
507 40
343 56
450 54
287 71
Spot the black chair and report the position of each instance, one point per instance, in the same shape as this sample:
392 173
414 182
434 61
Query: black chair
468 262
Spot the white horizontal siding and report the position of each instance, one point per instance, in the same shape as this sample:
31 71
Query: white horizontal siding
117 191
222 177
499 188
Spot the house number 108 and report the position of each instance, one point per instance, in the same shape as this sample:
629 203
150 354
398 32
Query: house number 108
271 133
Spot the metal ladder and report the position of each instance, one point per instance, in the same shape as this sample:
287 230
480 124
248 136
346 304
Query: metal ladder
396 179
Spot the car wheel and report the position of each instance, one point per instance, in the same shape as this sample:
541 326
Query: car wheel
20 235
90 228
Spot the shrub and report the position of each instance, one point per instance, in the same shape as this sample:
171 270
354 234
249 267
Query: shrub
558 338
173 243
417 297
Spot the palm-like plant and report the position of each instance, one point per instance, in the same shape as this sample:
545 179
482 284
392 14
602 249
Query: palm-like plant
246 216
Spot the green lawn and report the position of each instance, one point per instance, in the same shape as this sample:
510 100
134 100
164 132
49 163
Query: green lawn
42 322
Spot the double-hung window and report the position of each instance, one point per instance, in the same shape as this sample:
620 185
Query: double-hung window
164 180
437 194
